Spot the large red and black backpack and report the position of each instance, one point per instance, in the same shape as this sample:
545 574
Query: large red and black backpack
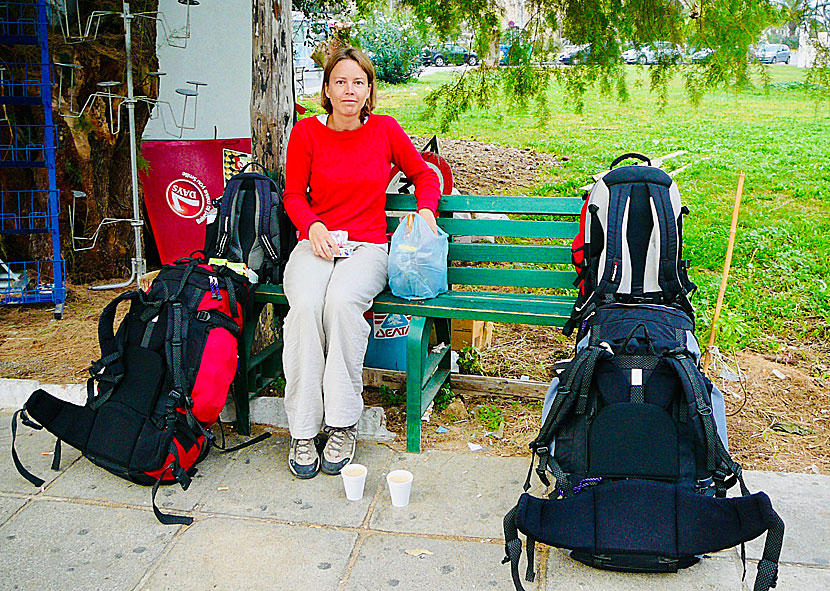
629 248
162 380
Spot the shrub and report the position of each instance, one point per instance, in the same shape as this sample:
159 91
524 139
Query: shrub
469 361
394 45
490 415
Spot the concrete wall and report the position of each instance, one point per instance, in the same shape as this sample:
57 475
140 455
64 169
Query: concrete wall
218 52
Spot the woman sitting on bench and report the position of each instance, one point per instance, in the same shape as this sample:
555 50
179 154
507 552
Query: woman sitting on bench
337 171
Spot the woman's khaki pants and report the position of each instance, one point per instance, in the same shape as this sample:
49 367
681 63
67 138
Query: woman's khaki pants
325 334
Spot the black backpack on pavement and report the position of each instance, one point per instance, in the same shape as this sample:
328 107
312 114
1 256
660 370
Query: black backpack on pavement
640 466
251 226
162 380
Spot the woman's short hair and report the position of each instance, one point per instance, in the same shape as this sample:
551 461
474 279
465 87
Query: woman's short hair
354 54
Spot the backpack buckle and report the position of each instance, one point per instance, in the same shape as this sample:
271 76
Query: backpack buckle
24 418
203 315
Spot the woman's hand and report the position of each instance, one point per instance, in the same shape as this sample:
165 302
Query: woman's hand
429 218
322 244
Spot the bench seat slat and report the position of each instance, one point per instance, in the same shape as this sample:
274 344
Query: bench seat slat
518 308
540 309
538 278
498 297
515 253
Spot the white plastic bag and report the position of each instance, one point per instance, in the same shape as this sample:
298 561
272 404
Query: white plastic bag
417 260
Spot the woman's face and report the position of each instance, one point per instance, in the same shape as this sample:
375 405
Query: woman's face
348 88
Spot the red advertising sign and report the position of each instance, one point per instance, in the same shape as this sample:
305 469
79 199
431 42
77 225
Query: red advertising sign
181 182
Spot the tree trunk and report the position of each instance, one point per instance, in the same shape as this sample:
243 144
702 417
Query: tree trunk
272 92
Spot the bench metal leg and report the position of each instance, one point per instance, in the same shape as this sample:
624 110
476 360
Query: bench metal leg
257 371
241 387
426 373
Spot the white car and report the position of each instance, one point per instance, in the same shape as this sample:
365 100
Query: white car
773 53
659 51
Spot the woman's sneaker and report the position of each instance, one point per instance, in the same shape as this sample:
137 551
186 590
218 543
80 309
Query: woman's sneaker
303 459
339 450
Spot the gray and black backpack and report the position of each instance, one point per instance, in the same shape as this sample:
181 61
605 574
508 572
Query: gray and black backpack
630 242
251 226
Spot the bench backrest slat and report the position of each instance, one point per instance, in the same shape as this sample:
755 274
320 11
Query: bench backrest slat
510 253
506 228
493 204
527 278
510 228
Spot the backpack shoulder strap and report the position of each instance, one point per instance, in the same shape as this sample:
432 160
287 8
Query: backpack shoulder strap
718 461
109 369
106 332
667 275
227 211
572 395
265 189
608 278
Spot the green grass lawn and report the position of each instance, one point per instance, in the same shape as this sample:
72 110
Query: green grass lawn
778 289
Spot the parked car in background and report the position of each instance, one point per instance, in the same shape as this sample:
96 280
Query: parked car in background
514 47
773 53
702 55
575 54
632 55
448 53
658 51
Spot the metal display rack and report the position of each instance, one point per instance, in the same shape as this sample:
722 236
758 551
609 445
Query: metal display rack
30 211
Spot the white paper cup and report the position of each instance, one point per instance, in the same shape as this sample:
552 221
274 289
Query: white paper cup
400 485
354 478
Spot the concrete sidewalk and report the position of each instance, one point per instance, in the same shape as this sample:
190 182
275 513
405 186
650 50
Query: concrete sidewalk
258 528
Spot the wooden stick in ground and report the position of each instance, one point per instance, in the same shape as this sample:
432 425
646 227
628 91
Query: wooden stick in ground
707 360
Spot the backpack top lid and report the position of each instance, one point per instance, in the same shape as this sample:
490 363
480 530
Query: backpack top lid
636 174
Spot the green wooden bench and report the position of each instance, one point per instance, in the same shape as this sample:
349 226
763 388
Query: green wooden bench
537 269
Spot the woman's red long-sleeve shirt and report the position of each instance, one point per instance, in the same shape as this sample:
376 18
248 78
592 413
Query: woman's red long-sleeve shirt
340 177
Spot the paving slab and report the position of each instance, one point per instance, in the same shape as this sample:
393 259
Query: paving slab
57 546
85 480
31 446
8 505
454 494
234 554
722 573
803 502
259 484
803 578
384 564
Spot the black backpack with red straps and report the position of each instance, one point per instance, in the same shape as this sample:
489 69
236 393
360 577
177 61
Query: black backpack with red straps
161 382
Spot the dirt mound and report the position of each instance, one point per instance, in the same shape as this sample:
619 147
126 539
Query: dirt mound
487 169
